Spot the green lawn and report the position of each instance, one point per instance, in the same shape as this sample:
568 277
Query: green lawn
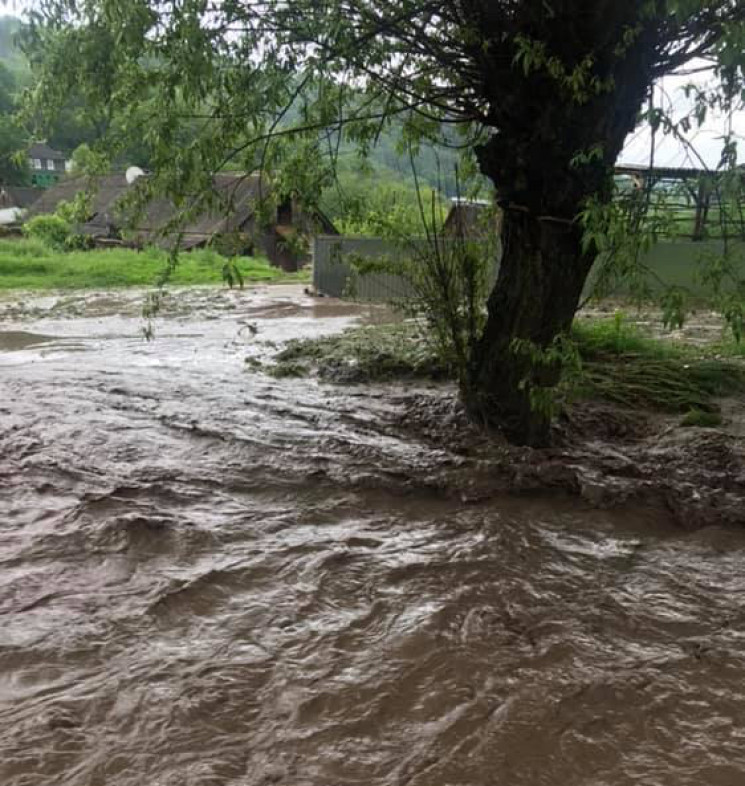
28 264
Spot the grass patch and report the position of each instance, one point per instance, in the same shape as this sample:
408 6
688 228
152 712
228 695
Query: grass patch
667 385
617 336
620 365
28 264
367 354
697 418
623 366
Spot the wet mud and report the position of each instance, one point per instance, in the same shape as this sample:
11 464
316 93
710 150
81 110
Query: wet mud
209 576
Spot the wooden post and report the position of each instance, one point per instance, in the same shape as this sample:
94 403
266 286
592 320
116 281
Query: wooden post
702 211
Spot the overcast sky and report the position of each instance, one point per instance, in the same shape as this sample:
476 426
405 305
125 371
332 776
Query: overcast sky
704 145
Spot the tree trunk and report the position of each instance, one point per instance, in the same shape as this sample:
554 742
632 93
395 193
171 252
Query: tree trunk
541 278
552 147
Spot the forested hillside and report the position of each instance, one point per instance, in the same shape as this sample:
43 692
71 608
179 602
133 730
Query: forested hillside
9 26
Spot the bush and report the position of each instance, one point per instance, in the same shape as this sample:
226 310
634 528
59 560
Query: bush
79 242
52 231
449 275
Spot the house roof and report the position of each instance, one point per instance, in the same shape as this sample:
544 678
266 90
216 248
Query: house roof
233 203
465 216
325 224
42 150
105 192
18 196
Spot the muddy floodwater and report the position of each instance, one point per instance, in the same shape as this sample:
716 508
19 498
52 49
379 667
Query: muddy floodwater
210 577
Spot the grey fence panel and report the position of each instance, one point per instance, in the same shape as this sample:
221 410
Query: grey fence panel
334 277
676 262
679 263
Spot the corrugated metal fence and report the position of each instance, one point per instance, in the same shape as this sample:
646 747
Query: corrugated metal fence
333 276
674 262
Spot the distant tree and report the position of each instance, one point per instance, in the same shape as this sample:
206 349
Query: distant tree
85 161
14 169
7 90
13 165
9 28
545 92
364 199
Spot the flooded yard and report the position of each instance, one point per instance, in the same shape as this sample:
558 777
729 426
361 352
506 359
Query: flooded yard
211 577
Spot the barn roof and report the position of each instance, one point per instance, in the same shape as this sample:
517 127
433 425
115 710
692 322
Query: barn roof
104 190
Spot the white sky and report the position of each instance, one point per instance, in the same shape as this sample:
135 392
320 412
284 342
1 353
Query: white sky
14 6
704 145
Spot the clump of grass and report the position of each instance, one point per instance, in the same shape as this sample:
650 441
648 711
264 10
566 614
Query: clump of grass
664 384
364 354
29 264
288 368
623 366
700 419
727 348
618 336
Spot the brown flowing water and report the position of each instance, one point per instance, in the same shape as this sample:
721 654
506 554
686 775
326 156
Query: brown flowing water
209 576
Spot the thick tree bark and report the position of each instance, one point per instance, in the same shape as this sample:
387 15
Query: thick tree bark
549 153
541 278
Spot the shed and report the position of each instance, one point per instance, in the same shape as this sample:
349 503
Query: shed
466 217
243 218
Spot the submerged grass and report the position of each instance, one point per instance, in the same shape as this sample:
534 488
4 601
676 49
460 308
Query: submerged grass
697 418
667 385
29 264
366 354
620 365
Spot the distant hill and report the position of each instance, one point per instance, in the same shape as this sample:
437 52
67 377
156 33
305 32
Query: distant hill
434 166
9 27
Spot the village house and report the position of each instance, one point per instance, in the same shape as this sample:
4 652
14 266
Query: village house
47 165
